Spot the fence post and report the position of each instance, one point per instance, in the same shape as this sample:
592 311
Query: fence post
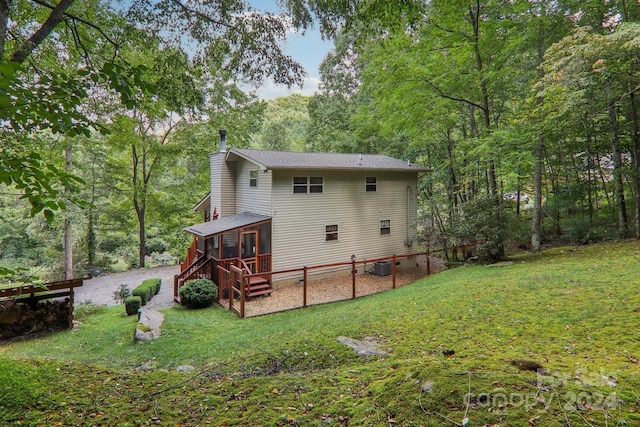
353 279
428 253
393 268
304 287
242 297
232 282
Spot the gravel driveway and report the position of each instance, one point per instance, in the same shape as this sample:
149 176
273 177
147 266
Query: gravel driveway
100 290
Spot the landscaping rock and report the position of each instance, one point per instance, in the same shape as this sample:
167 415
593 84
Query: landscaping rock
366 348
185 368
149 326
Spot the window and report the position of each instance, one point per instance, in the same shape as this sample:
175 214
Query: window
371 183
299 184
315 184
253 178
304 184
331 232
385 226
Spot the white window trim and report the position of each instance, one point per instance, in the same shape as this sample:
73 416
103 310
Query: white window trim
388 221
251 179
308 185
367 184
327 233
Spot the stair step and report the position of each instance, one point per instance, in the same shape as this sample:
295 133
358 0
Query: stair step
257 280
258 293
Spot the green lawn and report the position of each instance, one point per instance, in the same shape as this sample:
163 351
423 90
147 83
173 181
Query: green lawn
575 311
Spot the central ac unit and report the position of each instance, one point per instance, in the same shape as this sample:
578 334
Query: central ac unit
382 268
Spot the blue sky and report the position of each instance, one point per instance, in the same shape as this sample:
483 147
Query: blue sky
308 49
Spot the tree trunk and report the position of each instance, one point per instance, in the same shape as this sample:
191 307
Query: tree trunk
536 222
139 201
55 17
5 5
68 237
635 152
623 224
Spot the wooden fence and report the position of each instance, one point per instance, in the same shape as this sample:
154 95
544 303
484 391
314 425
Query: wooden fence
344 280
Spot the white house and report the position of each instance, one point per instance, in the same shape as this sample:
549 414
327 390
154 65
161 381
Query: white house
284 210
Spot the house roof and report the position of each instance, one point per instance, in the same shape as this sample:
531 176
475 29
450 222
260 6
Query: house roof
209 228
303 160
203 204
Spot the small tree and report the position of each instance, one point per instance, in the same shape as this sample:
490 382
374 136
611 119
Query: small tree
121 293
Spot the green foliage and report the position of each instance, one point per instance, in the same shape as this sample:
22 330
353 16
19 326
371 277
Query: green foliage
122 293
144 292
153 284
285 124
132 304
480 221
155 244
199 293
147 289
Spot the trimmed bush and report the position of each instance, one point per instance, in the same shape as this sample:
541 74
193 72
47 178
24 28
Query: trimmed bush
199 293
155 284
132 305
147 289
143 292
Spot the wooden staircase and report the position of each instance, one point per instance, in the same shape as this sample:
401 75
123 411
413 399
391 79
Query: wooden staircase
256 286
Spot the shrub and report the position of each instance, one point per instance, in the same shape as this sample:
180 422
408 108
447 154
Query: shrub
121 293
147 289
198 293
154 284
143 292
155 244
132 305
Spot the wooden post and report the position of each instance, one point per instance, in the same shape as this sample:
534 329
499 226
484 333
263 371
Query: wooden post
71 307
393 268
353 279
232 282
242 297
304 287
428 263
428 253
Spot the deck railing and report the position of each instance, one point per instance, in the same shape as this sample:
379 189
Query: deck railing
192 254
200 269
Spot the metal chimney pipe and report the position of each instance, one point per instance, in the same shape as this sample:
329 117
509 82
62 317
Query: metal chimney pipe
223 140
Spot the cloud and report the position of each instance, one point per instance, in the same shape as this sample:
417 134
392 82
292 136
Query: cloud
269 90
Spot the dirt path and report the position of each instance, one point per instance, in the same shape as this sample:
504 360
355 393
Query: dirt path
100 290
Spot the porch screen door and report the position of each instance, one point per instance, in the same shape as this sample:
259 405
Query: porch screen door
248 248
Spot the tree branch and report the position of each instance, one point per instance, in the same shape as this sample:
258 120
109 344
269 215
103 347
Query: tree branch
56 16
79 19
452 98
201 15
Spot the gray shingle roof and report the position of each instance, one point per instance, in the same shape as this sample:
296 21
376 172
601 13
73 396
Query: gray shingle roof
297 160
209 228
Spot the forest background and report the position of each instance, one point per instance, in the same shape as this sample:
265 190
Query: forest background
526 111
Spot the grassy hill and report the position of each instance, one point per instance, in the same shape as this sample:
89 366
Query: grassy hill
459 345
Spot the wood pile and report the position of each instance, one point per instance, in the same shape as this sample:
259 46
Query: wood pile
30 317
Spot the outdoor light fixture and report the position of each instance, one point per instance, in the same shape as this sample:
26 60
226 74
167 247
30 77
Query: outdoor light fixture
353 258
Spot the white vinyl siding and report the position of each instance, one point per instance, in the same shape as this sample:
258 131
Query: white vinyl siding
223 197
299 223
252 199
